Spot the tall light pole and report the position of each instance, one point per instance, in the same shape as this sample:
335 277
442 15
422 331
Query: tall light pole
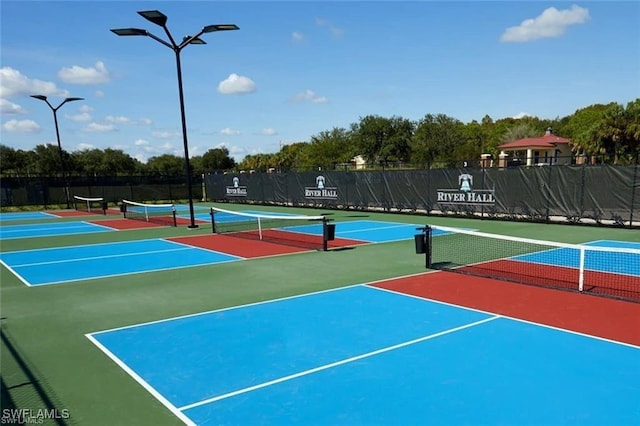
160 19
55 120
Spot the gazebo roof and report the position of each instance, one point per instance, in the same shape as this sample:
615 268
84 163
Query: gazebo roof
548 140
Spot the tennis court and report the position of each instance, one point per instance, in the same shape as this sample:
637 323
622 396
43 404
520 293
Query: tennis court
50 229
363 355
15 216
94 261
66 264
169 325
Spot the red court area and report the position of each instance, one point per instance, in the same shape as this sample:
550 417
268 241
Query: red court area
579 312
252 247
608 284
123 224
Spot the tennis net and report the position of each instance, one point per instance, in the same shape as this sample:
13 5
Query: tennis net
311 232
89 204
608 268
163 214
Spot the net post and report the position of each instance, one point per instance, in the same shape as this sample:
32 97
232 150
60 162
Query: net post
581 276
423 244
173 213
325 234
260 228
427 239
213 220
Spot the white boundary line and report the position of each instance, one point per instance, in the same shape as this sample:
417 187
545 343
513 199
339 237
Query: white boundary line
141 381
504 316
20 277
338 363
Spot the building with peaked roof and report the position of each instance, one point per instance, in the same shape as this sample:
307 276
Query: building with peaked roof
548 149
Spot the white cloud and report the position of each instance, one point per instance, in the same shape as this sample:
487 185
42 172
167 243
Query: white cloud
85 146
13 83
146 121
165 134
236 84
79 75
551 23
141 142
83 117
236 152
308 96
229 131
268 131
7 107
118 120
297 37
336 32
99 94
21 126
100 128
522 115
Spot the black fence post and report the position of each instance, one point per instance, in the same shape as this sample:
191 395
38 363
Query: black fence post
634 184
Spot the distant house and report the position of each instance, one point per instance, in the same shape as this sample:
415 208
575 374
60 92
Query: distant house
545 150
359 162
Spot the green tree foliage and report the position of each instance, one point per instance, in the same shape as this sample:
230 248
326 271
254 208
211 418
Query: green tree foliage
330 148
380 139
258 162
582 128
437 140
217 159
619 131
46 160
519 131
14 161
166 165
110 162
291 156
605 132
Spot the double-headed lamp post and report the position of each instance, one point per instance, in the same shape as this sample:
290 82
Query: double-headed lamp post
160 19
55 120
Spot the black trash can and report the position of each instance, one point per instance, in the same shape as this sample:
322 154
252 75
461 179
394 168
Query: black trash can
421 243
330 232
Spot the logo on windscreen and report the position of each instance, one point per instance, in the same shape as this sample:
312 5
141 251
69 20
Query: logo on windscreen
236 190
321 191
465 194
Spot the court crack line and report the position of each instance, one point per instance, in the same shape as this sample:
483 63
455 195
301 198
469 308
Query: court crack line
336 364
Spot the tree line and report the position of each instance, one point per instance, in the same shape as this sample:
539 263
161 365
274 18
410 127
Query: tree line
604 132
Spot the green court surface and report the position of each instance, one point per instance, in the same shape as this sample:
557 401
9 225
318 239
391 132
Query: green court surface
47 362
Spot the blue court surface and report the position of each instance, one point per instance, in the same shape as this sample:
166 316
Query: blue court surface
13 216
66 264
370 231
380 232
8 232
363 355
616 262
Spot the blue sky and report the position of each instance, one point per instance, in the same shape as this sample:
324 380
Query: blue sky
295 69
